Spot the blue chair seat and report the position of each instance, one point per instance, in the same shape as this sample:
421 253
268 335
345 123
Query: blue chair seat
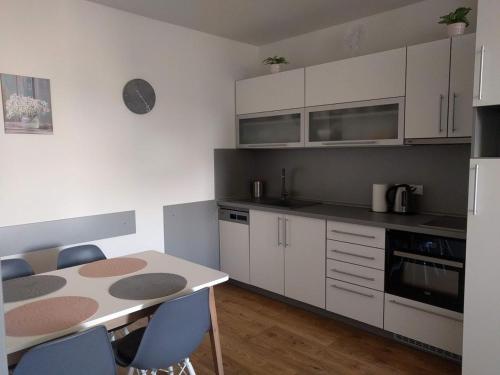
125 348
77 255
14 268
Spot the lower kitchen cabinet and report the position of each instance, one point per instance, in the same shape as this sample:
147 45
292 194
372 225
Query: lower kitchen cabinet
428 324
234 250
287 256
355 302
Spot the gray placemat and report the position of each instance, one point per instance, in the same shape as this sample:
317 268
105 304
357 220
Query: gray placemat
147 286
24 288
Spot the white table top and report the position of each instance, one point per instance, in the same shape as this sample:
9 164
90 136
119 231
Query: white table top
110 308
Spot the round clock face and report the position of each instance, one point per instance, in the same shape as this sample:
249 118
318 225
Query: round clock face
139 96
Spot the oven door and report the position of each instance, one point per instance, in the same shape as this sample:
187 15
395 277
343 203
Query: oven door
431 280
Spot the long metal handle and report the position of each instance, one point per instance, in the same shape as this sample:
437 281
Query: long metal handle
424 258
348 143
441 97
423 310
352 291
352 254
353 275
267 145
279 231
475 168
353 234
286 234
453 128
481 67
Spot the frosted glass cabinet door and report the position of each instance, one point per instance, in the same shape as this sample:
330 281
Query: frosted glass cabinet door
374 122
271 129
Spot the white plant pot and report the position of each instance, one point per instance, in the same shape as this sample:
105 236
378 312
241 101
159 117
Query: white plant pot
456 29
275 68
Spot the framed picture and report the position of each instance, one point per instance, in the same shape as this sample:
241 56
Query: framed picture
27 107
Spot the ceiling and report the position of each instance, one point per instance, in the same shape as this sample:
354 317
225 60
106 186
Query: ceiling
256 22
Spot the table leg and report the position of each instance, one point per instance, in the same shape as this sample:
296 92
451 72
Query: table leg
214 335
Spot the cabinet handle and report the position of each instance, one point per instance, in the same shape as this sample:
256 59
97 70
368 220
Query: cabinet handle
348 143
441 97
453 128
268 145
353 254
353 234
287 243
279 230
352 291
475 168
481 67
423 310
353 275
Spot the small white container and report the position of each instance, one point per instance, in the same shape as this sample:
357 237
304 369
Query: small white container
379 203
275 68
455 29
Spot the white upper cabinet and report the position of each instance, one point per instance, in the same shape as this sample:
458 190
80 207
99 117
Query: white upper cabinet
271 92
377 76
487 67
460 113
427 90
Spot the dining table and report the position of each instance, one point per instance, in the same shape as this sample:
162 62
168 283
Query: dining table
113 292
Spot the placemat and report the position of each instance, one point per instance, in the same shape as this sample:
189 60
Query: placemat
24 288
49 315
147 286
112 267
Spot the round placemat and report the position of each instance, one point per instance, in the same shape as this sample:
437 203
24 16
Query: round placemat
147 286
112 267
24 288
48 315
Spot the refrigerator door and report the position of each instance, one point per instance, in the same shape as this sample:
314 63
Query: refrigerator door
482 270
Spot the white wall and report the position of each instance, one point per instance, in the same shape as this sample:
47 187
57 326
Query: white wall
409 25
103 158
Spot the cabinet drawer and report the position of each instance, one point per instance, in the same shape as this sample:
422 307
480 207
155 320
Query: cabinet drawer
357 234
357 254
428 324
355 302
351 273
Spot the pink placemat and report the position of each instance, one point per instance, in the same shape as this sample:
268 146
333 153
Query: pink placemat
49 315
112 267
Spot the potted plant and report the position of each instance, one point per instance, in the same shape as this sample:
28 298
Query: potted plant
457 21
275 63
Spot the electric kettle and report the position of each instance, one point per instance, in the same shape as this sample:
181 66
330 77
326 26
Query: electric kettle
400 198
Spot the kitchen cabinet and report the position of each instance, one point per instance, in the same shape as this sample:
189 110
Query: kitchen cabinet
376 76
427 82
431 325
481 303
439 89
356 254
272 92
487 67
287 256
374 122
279 129
356 234
234 250
460 112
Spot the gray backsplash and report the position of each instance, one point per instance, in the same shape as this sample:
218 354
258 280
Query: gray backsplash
346 175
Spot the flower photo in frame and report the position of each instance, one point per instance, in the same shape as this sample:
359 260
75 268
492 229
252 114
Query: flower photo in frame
27 106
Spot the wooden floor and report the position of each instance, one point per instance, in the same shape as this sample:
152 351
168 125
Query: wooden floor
263 336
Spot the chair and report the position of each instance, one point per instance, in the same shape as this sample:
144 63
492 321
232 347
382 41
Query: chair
84 353
76 255
14 268
175 331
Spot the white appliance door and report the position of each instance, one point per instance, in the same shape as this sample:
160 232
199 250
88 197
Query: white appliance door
482 274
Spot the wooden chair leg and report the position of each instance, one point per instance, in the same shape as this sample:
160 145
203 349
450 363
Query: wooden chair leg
214 335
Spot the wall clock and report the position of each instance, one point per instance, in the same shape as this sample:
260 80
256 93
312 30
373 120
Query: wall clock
139 96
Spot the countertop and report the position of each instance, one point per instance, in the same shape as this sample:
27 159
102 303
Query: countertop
354 215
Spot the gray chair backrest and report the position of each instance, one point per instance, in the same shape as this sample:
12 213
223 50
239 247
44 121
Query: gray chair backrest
13 268
76 255
176 330
84 353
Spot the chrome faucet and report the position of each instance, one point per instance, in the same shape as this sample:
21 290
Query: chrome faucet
284 194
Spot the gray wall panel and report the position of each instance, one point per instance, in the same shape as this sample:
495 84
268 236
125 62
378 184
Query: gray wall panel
234 171
19 239
192 232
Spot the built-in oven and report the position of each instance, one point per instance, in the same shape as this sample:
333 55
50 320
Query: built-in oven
426 268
